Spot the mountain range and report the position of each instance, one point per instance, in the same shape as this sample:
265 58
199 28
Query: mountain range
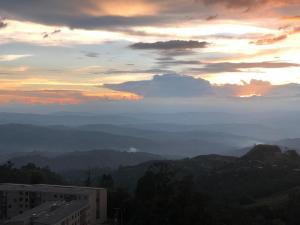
84 160
27 138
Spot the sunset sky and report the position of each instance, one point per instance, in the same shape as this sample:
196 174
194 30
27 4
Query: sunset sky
55 52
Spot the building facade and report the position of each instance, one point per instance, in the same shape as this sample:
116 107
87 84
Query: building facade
16 199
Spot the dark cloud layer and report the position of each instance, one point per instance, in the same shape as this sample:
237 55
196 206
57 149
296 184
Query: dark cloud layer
2 24
270 40
248 4
178 62
138 71
169 85
49 35
79 14
209 18
174 85
91 54
238 67
170 45
72 13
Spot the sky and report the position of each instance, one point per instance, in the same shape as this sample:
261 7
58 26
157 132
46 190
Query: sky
84 54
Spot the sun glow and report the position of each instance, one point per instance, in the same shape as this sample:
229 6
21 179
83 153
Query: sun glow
54 35
121 8
249 95
274 76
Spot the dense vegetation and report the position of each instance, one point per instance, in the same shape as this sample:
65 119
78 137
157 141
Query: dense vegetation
260 188
28 174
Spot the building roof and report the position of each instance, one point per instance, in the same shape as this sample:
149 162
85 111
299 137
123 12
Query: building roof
47 188
50 212
61 212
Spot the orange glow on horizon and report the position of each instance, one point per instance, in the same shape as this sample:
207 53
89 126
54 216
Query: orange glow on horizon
253 88
62 97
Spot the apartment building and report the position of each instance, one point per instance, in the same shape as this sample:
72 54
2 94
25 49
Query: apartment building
54 213
19 199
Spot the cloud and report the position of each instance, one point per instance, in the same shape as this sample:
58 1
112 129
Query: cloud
179 62
12 57
2 24
209 18
249 3
246 89
139 71
238 67
91 54
50 34
270 40
170 45
95 14
172 48
261 88
168 85
14 70
90 14
44 35
285 90
181 86
291 18
61 97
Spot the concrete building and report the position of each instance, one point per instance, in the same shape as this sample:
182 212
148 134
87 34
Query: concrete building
19 200
53 213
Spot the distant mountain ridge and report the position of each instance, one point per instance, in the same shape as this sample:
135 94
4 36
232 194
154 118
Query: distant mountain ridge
293 143
263 161
94 159
262 127
27 138
18 137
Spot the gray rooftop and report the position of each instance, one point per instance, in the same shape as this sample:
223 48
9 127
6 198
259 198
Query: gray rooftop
51 212
47 188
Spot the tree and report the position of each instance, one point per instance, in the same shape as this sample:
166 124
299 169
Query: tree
294 208
88 180
106 181
164 196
